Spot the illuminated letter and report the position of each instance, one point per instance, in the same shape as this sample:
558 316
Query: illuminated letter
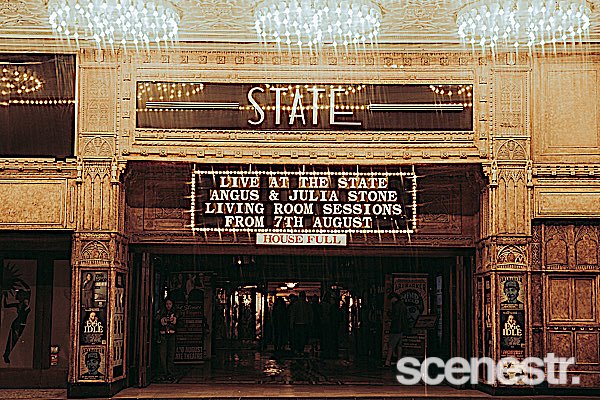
297 104
315 103
333 113
278 103
257 106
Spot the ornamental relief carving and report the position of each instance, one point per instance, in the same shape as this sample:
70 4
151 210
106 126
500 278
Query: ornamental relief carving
17 13
555 247
93 254
511 150
97 105
97 169
586 247
510 96
511 257
97 147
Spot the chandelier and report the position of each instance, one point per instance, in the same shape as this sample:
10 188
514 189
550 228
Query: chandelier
111 22
18 80
310 24
528 24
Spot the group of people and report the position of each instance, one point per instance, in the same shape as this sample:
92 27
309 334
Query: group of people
302 322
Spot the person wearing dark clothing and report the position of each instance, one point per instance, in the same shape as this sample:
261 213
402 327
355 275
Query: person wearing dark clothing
167 321
331 318
315 333
87 291
279 319
399 327
301 319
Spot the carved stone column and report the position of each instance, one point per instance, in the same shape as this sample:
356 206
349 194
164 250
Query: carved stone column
99 251
502 279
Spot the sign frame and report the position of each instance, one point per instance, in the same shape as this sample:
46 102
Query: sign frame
411 223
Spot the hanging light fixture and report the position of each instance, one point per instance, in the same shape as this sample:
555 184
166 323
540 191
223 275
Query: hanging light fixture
18 80
109 23
497 25
311 24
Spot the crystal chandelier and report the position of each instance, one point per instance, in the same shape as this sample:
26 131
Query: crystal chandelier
137 23
18 80
523 24
310 24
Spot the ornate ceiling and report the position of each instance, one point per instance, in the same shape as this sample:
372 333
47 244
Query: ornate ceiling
404 21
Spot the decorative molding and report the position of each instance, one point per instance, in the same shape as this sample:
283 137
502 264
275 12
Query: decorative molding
97 147
511 257
511 150
94 254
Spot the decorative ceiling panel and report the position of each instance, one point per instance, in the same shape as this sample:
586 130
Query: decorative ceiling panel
406 21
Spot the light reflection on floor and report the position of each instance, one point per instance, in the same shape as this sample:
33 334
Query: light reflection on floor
250 366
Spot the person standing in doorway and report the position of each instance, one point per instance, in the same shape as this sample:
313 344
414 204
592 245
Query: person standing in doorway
399 327
167 321
301 319
279 320
331 318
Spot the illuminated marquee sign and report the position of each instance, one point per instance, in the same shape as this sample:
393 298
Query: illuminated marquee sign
316 107
303 203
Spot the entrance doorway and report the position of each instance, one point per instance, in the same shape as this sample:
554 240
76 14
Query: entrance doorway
240 324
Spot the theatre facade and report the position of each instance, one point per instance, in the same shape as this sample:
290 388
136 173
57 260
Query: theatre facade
227 178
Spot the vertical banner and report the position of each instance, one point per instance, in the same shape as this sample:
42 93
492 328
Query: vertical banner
189 291
18 313
413 290
512 316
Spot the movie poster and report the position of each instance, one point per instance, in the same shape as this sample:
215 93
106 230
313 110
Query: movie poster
94 289
17 313
512 334
94 294
187 289
93 326
512 316
413 290
92 363
512 295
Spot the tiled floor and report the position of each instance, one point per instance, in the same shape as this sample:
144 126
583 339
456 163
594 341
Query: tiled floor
265 368
244 374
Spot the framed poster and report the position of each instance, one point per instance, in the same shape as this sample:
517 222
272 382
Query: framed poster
512 334
92 363
94 289
512 316
413 290
512 294
93 326
94 294
190 292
